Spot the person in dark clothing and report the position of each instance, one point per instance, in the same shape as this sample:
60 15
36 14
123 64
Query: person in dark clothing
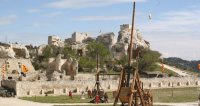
70 94
106 98
89 94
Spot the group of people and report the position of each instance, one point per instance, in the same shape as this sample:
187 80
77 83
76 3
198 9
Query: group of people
90 93
98 98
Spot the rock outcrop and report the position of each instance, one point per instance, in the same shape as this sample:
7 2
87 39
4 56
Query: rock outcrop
20 50
62 66
40 49
120 49
6 52
107 39
14 51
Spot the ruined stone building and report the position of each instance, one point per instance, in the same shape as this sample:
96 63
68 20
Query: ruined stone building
125 27
79 37
119 49
80 48
55 40
59 70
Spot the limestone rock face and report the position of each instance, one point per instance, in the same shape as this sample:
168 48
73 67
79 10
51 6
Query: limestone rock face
40 49
74 67
70 67
66 67
62 66
125 36
20 50
6 52
13 51
120 49
107 39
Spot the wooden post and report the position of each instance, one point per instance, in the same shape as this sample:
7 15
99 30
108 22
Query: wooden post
97 80
131 45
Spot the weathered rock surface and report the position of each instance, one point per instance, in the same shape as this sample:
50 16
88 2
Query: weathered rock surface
107 39
13 51
20 50
63 66
40 49
6 52
120 49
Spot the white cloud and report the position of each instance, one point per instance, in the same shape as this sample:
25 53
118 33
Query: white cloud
175 34
101 18
33 10
63 4
54 14
6 20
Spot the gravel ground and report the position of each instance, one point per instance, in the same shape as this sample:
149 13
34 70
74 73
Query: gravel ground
18 102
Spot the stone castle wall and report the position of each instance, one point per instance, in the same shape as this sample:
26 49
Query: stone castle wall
25 88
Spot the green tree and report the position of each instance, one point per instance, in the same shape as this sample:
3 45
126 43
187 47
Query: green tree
148 59
68 52
51 51
85 62
123 61
47 52
97 48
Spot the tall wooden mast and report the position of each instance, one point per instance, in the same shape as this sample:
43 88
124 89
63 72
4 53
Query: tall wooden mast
131 45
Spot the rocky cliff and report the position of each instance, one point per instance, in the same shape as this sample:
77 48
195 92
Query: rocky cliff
14 51
120 49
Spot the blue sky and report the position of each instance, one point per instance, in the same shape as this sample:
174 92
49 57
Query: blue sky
174 29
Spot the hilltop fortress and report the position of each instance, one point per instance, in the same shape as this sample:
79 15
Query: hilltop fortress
19 74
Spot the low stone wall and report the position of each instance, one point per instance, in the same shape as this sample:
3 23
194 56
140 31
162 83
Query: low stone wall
62 87
39 88
173 82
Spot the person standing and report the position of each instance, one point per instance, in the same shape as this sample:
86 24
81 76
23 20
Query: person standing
70 94
97 99
82 95
106 98
199 100
89 94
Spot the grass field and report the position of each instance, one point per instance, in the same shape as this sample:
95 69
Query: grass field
175 95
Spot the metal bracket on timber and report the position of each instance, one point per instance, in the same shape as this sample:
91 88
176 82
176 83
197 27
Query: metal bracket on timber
132 93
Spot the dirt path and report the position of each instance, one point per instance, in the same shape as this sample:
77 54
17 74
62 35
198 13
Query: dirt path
176 70
177 104
19 102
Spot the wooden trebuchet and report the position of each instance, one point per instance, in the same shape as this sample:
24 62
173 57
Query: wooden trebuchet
132 93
